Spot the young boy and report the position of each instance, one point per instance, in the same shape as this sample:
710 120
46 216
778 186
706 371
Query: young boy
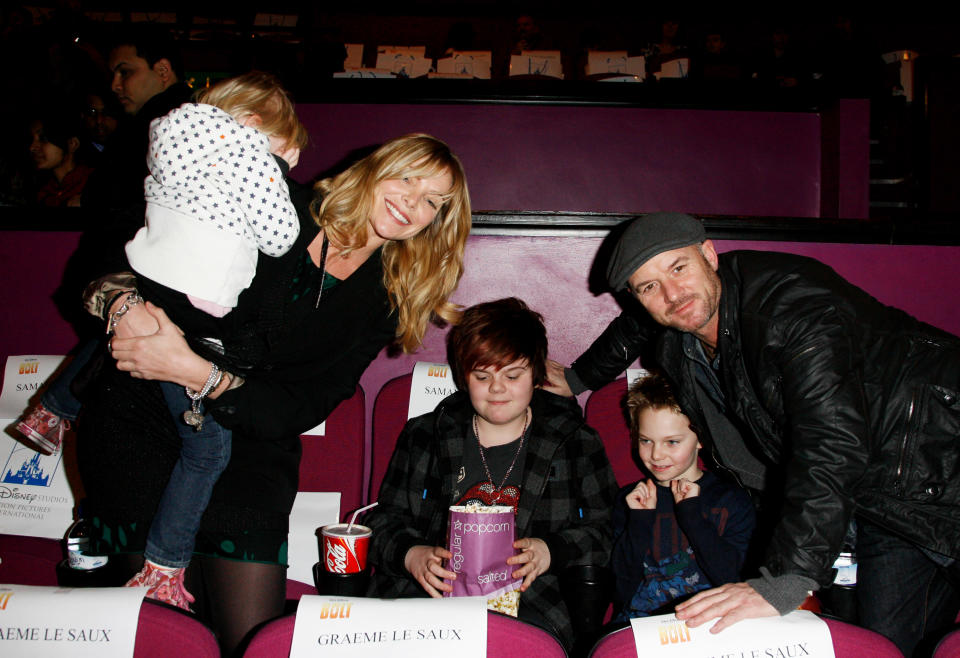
681 530
500 440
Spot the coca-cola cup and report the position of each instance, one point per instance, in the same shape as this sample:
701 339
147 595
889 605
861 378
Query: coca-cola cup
342 569
345 547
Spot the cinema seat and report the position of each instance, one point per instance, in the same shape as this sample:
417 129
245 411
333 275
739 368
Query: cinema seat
949 646
273 640
848 641
334 461
506 637
389 417
604 413
29 560
165 631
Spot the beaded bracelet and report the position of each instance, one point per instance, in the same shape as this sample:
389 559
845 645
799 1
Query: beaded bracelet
192 416
132 300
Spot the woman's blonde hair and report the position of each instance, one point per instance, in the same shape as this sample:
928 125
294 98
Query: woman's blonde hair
262 94
421 272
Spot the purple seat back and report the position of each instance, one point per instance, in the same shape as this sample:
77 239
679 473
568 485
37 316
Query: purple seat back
949 646
505 637
296 589
165 631
272 640
29 560
604 413
389 417
848 640
334 461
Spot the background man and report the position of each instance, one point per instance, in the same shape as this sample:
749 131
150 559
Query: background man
146 72
147 81
804 383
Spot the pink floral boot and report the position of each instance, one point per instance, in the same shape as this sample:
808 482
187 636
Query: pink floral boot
163 584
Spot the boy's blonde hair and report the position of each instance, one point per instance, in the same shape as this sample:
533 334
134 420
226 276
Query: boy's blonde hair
421 272
262 94
650 392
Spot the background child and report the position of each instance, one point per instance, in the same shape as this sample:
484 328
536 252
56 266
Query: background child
216 196
681 530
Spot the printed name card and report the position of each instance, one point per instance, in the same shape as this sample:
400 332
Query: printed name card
400 628
674 68
473 63
22 378
406 62
800 633
99 622
606 61
319 430
633 374
364 73
354 58
537 62
431 383
35 494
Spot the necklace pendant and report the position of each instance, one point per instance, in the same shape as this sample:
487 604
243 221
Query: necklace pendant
193 419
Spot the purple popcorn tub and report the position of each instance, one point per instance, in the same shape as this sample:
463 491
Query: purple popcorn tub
481 539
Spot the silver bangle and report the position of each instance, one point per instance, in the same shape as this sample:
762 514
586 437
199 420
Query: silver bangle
132 300
193 416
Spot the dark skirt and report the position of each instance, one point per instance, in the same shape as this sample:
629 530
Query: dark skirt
127 447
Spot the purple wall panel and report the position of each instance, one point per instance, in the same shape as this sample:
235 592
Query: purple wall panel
32 264
853 155
599 159
550 273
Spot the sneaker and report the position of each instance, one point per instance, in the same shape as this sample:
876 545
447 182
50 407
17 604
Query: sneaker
44 429
163 584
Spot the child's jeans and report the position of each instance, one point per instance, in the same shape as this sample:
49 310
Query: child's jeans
58 398
203 457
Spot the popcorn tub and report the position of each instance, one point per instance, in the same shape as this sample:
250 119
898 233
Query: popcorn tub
481 539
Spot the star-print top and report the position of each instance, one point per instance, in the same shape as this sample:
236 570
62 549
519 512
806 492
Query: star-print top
215 197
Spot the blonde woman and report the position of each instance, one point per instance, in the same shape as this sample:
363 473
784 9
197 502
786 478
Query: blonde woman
378 255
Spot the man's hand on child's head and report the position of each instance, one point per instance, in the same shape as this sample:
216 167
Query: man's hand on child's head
683 489
556 381
643 496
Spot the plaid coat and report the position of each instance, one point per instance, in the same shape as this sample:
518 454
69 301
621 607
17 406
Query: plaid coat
567 495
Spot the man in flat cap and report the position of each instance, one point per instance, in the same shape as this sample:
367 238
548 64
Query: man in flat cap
810 391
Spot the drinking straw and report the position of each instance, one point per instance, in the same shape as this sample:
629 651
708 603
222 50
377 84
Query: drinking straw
354 517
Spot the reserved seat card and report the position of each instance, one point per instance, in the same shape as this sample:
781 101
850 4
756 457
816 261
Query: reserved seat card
36 497
431 383
400 628
800 633
634 374
100 622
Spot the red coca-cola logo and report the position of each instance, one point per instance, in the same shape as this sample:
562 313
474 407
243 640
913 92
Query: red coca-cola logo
338 557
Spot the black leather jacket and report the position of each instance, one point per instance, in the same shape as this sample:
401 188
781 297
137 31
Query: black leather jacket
857 401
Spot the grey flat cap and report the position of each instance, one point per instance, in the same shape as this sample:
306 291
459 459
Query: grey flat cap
648 236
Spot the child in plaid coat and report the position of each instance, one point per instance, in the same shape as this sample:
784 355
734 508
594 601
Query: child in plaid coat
498 440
